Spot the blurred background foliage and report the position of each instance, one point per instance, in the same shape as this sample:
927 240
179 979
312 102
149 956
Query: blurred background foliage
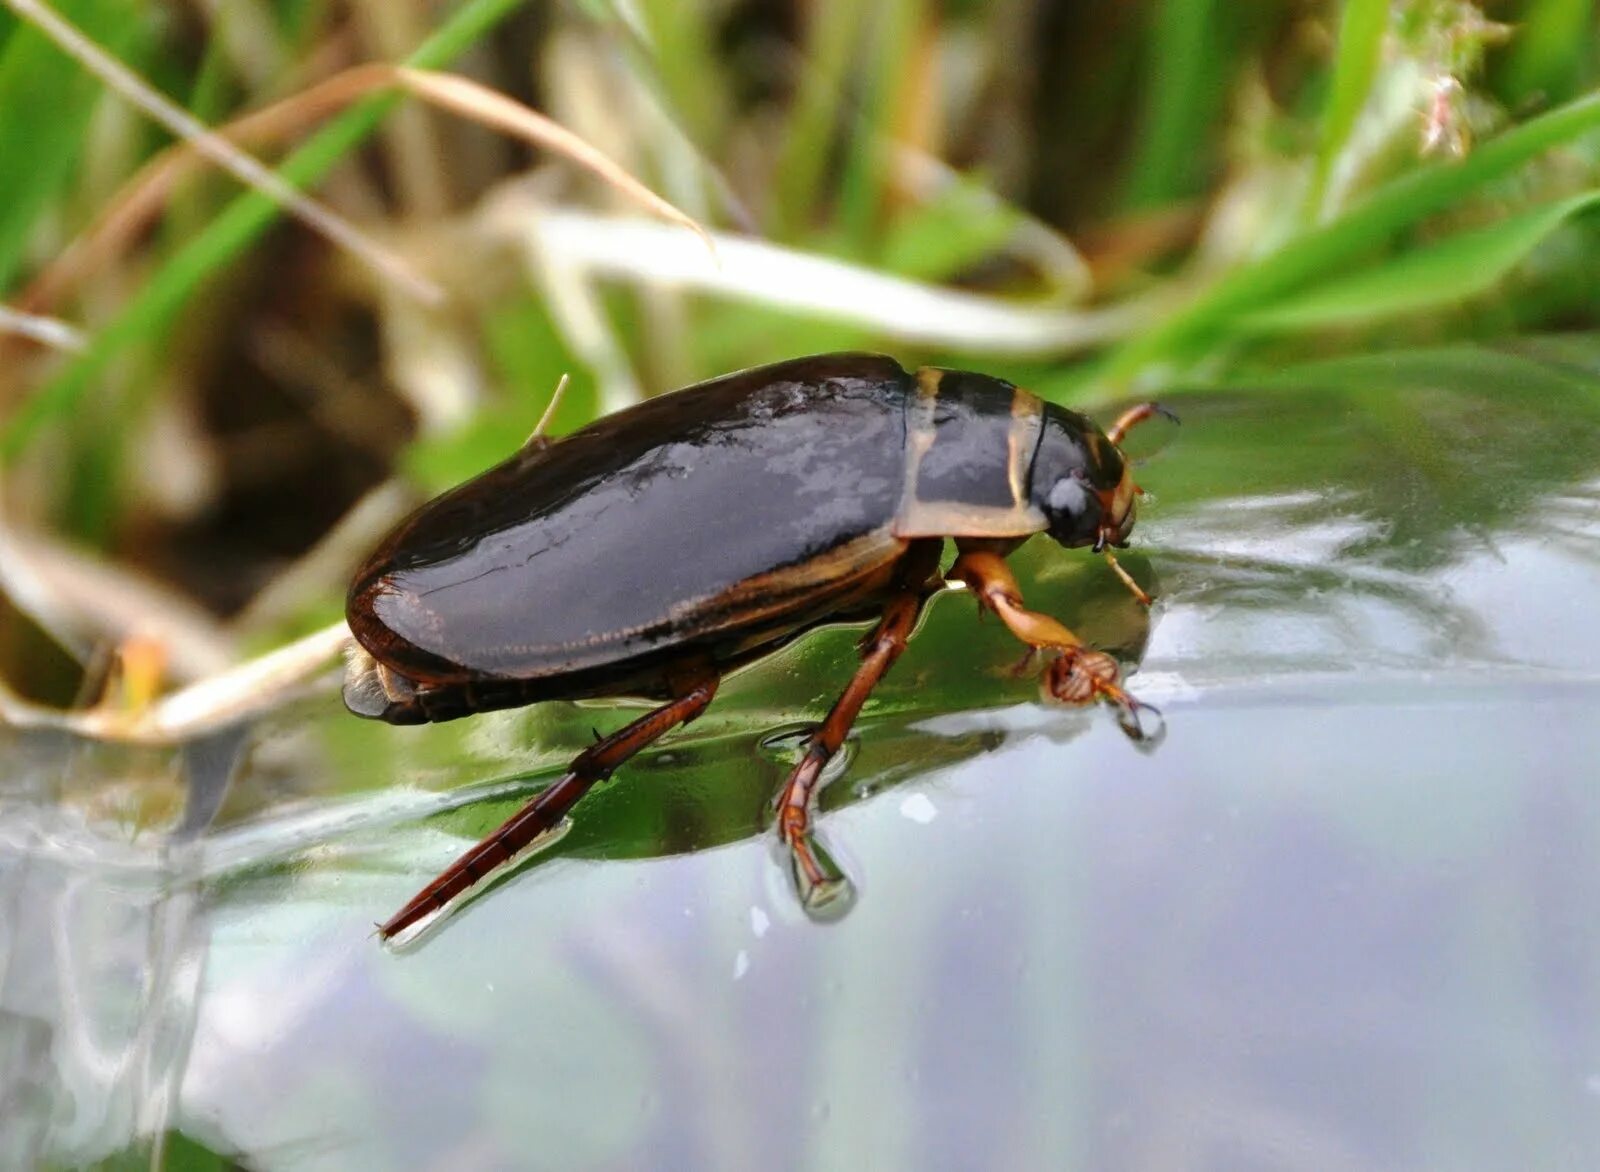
1096 200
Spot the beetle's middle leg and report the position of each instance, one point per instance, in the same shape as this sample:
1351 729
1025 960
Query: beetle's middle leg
815 876
1079 674
694 691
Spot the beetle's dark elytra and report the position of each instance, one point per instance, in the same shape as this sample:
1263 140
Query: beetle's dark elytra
723 517
654 550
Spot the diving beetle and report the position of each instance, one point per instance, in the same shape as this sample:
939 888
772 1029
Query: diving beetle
663 546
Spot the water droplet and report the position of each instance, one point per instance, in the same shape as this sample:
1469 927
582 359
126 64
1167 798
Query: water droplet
788 745
919 808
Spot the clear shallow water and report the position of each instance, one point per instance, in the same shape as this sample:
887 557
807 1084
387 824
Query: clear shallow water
1343 917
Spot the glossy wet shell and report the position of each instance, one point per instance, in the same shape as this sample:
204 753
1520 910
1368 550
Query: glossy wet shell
705 511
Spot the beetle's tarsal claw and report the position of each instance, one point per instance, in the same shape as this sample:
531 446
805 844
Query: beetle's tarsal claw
825 892
1142 723
1081 675
1025 665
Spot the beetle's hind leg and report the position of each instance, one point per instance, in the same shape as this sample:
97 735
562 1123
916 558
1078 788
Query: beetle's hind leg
546 812
1078 674
824 890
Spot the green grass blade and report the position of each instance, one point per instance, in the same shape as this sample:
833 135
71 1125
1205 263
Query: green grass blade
1354 68
1360 230
1188 73
39 149
1552 49
1441 274
683 44
230 233
891 35
834 28
962 224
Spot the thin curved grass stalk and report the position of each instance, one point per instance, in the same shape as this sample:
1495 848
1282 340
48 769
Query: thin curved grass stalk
205 141
758 271
143 197
236 227
225 698
47 331
84 603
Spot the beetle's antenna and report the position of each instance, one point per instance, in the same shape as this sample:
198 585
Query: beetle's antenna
538 436
1127 578
1134 416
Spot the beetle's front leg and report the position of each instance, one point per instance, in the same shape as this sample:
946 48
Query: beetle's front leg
1078 674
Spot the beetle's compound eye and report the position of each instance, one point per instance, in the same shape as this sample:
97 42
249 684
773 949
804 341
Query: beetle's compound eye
1069 494
1075 510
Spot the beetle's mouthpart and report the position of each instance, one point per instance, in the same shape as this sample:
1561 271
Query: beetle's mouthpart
1119 509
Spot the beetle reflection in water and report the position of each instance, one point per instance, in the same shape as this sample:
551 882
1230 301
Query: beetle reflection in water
660 548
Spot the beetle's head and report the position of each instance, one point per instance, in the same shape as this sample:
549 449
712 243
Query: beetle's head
1081 482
